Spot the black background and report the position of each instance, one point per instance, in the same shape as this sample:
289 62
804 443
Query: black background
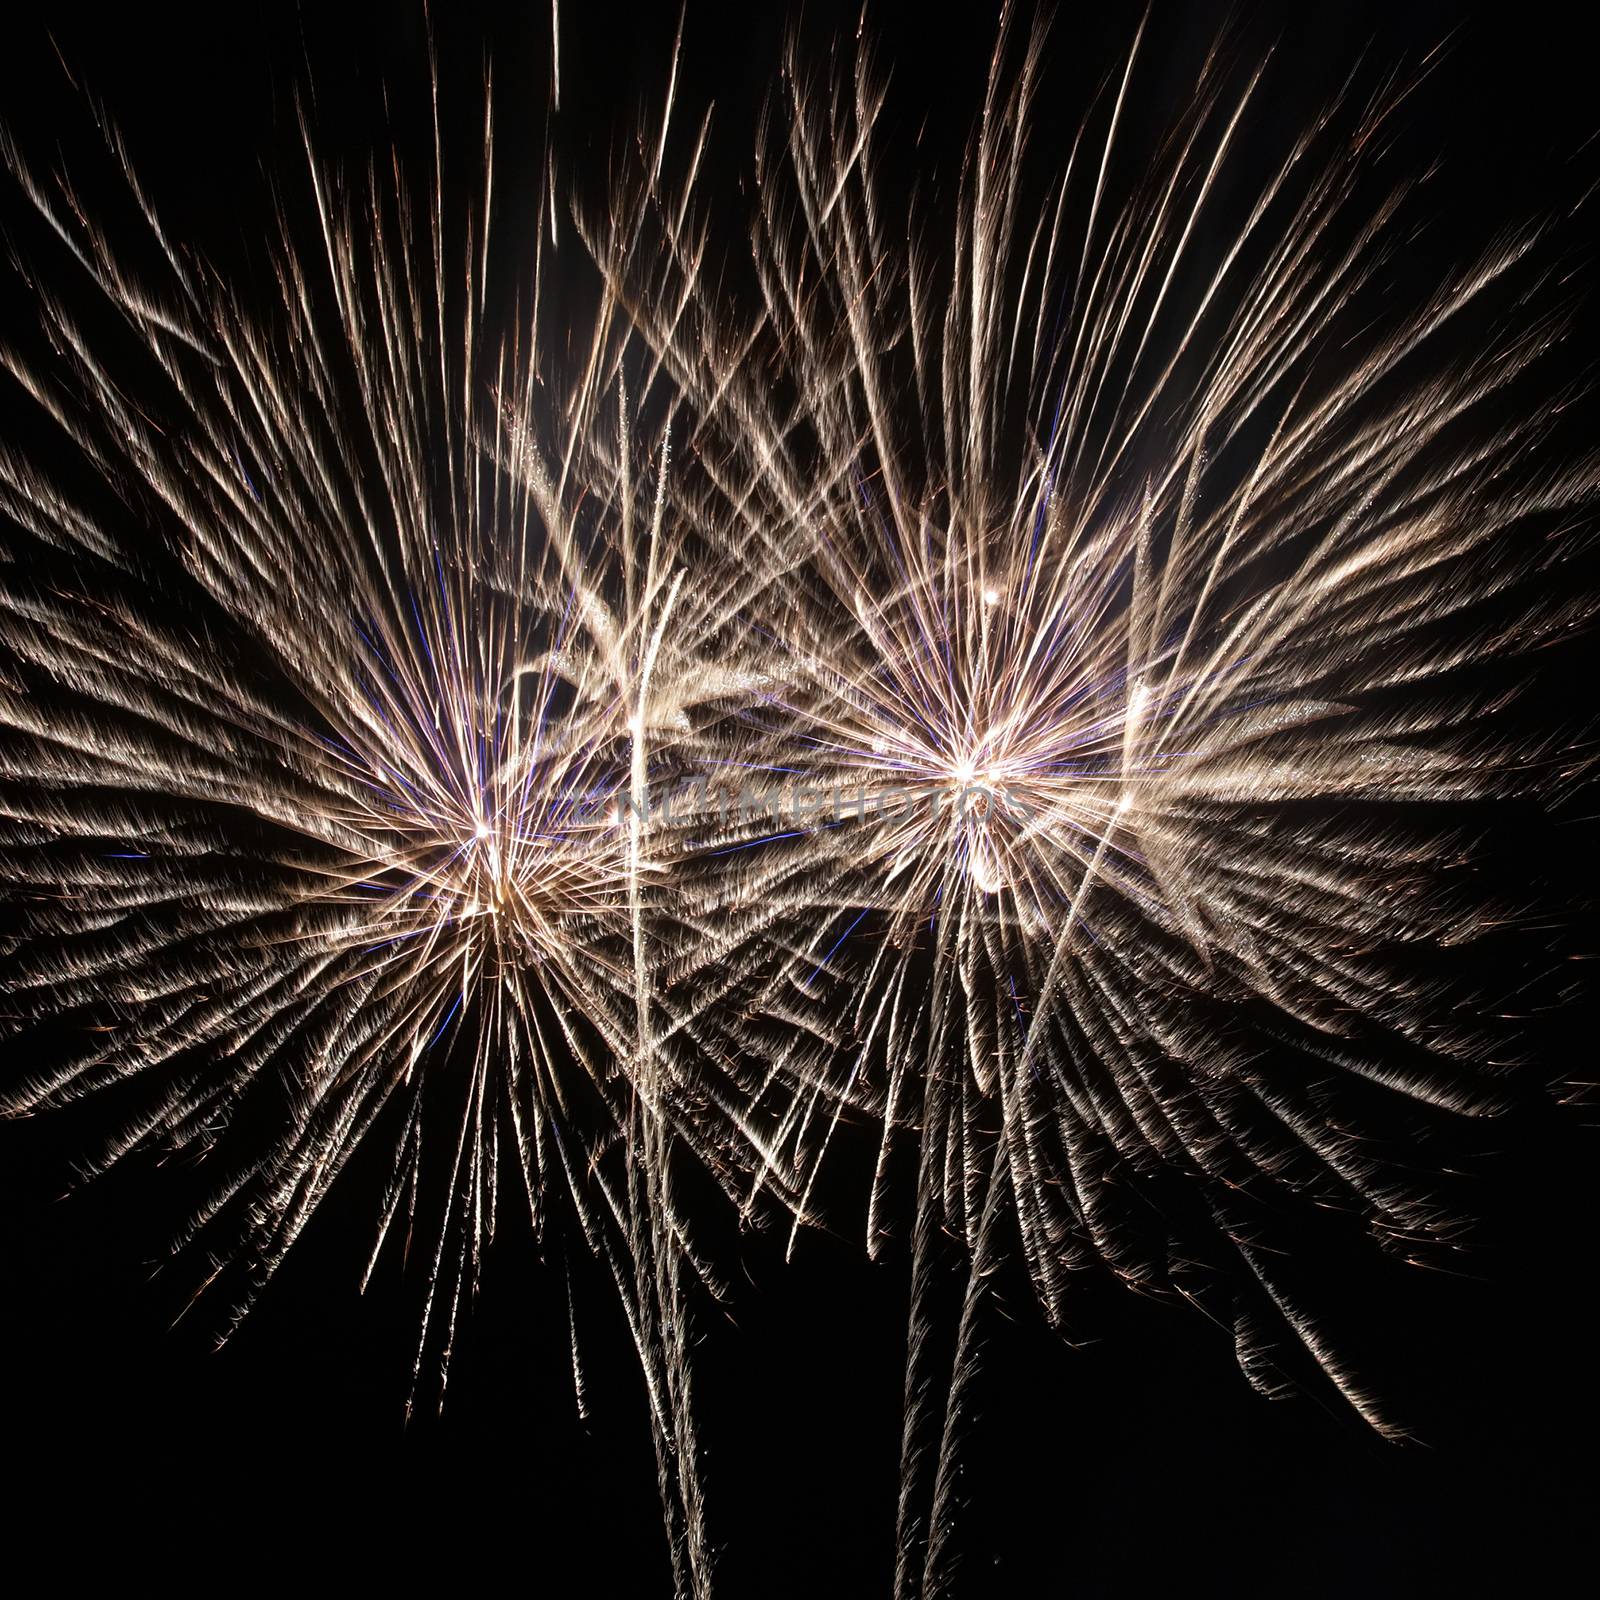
1137 1463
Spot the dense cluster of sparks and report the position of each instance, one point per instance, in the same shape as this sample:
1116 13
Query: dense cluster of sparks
1073 608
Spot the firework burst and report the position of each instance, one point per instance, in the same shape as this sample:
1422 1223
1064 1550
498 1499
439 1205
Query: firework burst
1140 575
331 734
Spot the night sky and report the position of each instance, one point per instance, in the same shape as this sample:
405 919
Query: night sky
1139 1461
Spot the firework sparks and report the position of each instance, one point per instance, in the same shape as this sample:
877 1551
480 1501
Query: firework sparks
1136 576
1095 592
330 738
